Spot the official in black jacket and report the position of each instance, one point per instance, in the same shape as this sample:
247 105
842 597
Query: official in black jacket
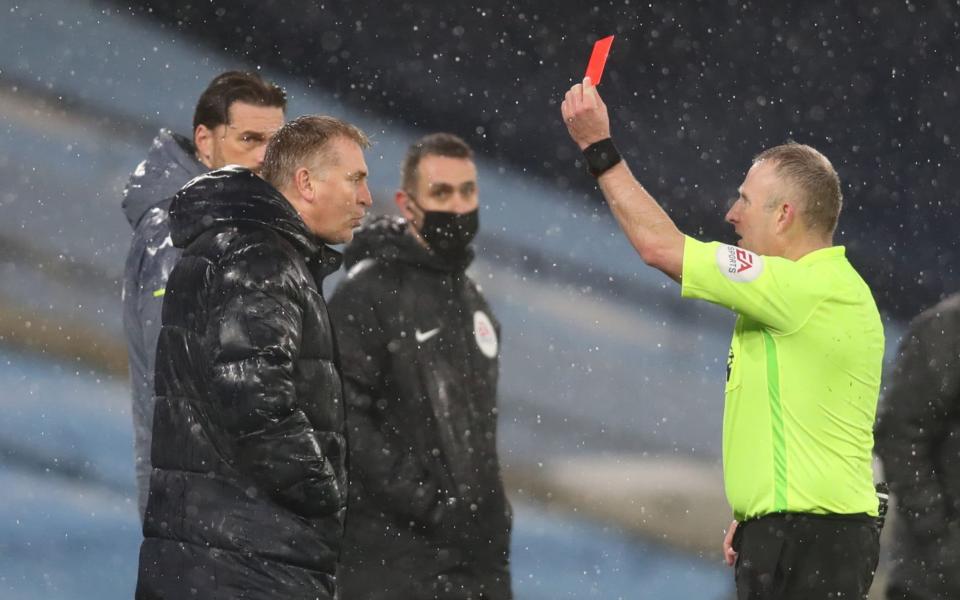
248 489
918 439
428 515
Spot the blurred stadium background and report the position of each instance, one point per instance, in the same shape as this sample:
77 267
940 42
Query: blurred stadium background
611 388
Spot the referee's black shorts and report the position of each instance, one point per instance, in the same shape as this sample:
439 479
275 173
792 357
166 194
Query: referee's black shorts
792 556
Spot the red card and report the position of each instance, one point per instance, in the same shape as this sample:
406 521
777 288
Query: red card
598 58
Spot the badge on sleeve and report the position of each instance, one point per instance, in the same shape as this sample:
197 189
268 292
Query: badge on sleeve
738 264
485 333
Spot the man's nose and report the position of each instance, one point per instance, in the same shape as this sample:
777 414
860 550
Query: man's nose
733 214
365 197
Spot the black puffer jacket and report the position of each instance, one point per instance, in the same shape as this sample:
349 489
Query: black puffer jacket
918 439
428 514
248 487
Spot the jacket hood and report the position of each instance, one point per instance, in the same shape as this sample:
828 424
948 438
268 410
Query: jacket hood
235 195
388 238
170 163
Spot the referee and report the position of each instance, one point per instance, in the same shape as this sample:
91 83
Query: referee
803 373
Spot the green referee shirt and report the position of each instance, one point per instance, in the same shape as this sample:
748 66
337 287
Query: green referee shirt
803 376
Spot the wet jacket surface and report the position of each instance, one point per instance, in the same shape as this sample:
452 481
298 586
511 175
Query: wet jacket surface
170 163
428 515
918 440
248 489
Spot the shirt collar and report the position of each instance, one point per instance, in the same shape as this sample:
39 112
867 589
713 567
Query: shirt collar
824 254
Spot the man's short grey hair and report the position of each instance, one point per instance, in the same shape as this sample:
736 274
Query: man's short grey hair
305 141
810 173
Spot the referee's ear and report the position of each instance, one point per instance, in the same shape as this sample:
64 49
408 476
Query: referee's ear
787 214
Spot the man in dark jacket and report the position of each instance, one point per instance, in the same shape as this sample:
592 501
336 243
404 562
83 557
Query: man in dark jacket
428 514
233 119
918 439
248 489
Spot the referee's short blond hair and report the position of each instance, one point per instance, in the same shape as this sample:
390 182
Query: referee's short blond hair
810 173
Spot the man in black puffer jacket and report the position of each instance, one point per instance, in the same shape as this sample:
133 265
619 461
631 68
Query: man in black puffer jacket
248 489
918 439
428 514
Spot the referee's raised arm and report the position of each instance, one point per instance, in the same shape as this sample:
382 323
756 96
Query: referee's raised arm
648 227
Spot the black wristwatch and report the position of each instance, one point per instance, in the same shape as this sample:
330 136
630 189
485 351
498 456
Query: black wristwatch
601 157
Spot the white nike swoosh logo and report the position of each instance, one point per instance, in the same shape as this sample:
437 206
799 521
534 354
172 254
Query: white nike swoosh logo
423 336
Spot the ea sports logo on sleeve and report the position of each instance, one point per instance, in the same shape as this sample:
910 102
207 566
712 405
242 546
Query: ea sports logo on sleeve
738 264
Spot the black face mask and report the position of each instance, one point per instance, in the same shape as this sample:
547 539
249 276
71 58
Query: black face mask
447 233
